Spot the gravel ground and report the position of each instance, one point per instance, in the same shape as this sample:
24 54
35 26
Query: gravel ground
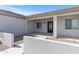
17 40
3 47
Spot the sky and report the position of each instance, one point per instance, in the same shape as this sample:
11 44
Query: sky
33 9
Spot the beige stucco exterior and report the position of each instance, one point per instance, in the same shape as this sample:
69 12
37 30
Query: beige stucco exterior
58 17
32 25
61 26
61 31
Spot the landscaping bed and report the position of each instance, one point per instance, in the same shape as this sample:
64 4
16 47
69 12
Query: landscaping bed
67 40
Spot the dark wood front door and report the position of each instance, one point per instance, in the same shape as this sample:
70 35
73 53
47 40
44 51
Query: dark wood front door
50 26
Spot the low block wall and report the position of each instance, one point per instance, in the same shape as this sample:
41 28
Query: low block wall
38 46
7 39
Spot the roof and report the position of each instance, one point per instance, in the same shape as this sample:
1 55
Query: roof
11 14
51 13
45 14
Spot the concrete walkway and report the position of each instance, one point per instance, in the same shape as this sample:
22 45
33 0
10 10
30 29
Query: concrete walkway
33 45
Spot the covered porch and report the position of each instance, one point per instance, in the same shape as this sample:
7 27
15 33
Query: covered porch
41 26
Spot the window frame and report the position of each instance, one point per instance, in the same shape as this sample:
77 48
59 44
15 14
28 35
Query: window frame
71 25
38 25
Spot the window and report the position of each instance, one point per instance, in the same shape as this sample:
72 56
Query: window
39 24
71 24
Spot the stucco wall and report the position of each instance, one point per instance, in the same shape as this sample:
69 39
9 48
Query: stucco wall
44 25
12 25
61 26
31 25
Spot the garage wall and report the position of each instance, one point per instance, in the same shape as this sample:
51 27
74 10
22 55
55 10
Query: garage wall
12 25
67 32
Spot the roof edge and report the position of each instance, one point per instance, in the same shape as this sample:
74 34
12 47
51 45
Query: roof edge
53 11
11 14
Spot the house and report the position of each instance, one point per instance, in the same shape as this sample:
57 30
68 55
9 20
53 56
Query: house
60 23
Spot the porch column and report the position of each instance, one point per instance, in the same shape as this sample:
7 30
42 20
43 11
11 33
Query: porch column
55 26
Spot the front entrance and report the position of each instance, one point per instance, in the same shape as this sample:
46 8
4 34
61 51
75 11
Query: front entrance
50 26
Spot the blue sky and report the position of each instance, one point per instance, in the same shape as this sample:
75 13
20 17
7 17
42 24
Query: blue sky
33 9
